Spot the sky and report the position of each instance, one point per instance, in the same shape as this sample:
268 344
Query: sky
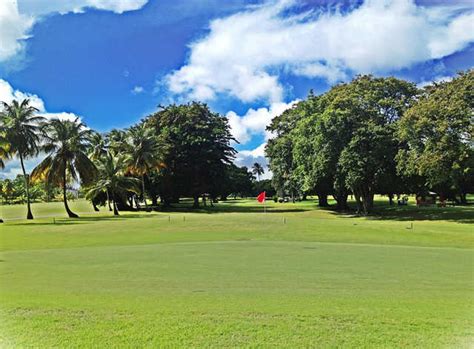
112 62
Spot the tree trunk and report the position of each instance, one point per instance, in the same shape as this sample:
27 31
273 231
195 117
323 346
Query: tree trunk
96 209
154 200
116 213
196 201
143 192
341 202
323 200
463 198
390 199
358 201
108 199
69 212
26 177
367 200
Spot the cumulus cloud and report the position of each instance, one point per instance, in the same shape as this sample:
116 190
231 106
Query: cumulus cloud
243 54
18 17
8 94
255 121
14 28
38 8
249 157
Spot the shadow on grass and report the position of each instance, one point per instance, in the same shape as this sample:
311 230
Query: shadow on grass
459 214
85 220
225 208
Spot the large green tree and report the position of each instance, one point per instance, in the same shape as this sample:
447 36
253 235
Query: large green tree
439 136
279 150
20 126
197 149
66 143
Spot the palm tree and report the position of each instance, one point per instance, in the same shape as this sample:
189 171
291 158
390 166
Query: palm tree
66 142
117 141
143 153
111 179
257 170
97 146
21 131
4 149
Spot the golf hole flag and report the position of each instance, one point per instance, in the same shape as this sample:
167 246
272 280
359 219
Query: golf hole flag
261 197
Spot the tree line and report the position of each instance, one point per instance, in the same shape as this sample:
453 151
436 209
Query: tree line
178 151
377 136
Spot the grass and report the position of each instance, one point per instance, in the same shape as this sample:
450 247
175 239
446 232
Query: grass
234 277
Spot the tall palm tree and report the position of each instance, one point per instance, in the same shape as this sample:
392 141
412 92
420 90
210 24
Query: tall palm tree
117 140
4 149
21 130
111 179
66 142
143 153
97 146
257 170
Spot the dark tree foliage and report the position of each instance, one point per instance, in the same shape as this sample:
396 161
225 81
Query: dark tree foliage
439 136
197 150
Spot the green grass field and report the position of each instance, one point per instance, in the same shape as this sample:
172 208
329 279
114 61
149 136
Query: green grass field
235 277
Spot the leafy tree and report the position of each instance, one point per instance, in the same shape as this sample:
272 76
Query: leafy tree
198 150
112 180
66 142
20 126
257 170
439 136
237 181
348 140
280 150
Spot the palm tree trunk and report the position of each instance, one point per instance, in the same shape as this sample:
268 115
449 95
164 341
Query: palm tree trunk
143 191
69 212
116 213
29 215
108 199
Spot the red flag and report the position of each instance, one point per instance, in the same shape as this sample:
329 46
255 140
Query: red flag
261 197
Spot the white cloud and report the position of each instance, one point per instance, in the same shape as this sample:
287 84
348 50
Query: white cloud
244 53
249 157
255 121
37 8
14 28
437 79
8 94
137 90
17 17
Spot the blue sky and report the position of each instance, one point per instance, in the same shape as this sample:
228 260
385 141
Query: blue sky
111 62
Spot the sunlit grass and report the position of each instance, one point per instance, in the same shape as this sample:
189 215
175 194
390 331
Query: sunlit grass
233 276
